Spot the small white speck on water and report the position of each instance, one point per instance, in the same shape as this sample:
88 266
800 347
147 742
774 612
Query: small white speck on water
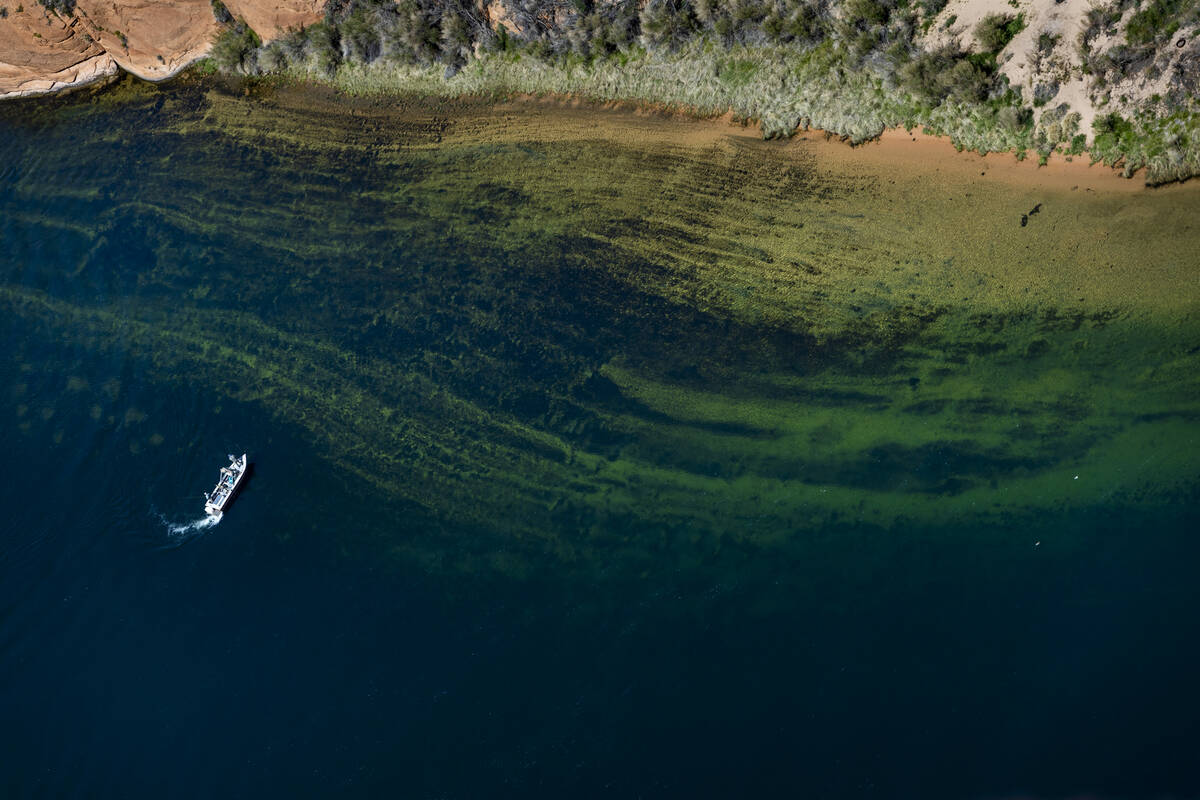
1038 543
1076 477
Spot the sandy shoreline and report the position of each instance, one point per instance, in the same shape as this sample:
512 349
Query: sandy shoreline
915 149
899 146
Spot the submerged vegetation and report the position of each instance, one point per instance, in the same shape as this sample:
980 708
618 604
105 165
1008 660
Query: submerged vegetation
551 333
853 68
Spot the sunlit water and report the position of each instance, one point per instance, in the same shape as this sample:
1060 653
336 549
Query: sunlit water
582 466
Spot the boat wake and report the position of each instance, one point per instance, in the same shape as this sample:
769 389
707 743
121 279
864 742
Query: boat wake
187 529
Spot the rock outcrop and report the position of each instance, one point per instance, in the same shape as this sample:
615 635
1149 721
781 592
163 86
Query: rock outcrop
41 51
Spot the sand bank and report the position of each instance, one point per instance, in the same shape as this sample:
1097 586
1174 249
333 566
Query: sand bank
896 148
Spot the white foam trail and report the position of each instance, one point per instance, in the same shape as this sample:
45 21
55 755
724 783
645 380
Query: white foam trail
179 529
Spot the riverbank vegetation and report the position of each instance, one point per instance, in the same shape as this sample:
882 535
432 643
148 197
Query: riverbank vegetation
851 67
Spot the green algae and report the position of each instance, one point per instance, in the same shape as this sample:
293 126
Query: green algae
589 335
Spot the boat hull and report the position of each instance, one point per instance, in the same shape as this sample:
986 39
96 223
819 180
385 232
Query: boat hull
227 486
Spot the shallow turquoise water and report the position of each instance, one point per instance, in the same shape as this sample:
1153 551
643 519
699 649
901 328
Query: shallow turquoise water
541 506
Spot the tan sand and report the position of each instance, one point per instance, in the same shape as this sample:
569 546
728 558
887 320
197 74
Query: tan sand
895 149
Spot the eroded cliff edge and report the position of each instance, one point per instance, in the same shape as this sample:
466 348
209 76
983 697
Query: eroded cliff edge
44 49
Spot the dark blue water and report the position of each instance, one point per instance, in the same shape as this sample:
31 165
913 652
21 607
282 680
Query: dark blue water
341 635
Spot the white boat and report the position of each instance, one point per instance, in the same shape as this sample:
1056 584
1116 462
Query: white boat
230 481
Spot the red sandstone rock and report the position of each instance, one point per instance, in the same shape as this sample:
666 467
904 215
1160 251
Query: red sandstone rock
152 39
39 52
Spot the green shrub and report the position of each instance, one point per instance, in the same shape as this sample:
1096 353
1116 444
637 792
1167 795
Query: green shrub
603 31
1112 131
865 26
1113 124
1158 21
866 14
65 7
205 66
932 8
456 38
995 31
734 21
273 58
1014 119
1045 92
667 23
235 49
947 73
413 36
1122 60
359 36
504 42
221 13
319 45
